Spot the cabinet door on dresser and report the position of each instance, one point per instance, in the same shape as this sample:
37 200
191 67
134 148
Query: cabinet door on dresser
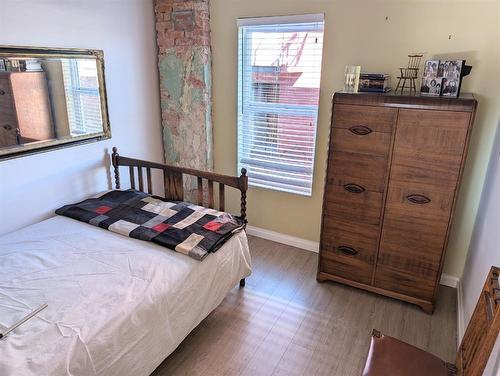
356 176
428 150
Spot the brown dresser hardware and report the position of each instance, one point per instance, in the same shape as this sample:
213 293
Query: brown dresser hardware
406 144
2 92
347 250
418 199
354 188
360 130
7 127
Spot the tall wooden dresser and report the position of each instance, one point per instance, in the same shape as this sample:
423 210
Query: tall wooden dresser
394 167
25 111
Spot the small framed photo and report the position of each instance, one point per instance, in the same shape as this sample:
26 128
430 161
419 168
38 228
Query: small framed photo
2 65
432 86
452 77
431 68
432 82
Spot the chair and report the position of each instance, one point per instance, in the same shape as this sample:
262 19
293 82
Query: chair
389 356
410 73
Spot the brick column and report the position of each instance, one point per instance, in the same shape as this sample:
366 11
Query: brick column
183 37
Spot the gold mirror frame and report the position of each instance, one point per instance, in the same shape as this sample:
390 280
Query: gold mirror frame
49 52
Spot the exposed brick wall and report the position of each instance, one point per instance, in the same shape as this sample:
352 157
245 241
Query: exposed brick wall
183 37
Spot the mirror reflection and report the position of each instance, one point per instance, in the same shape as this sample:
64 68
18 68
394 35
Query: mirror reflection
49 100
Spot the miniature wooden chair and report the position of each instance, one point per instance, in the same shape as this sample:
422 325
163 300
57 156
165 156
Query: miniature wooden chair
410 73
389 356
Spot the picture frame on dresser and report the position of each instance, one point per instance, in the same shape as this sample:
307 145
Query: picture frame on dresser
443 77
386 214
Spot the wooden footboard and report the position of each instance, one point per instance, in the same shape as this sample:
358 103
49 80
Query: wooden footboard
173 178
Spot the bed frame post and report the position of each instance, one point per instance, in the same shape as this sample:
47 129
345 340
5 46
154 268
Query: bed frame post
114 160
243 189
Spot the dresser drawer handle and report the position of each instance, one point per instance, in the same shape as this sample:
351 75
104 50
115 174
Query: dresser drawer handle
354 188
7 127
360 130
418 199
347 250
2 92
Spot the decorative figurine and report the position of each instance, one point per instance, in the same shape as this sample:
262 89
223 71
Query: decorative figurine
410 74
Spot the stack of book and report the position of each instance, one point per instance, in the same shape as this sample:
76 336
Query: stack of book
20 65
33 65
374 82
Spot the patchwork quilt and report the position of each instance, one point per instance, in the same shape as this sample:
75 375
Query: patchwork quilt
183 227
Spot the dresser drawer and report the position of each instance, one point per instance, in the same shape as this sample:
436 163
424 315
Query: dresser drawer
364 119
4 86
373 143
6 101
8 134
352 242
349 249
347 267
7 106
348 202
349 168
7 117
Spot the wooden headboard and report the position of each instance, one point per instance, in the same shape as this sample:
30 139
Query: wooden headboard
173 178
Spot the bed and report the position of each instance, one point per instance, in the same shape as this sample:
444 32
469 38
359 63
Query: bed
116 305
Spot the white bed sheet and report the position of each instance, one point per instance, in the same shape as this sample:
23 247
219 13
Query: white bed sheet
116 306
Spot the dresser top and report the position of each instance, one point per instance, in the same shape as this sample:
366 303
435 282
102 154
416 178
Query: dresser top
465 102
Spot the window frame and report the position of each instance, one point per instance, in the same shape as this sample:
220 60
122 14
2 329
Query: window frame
270 108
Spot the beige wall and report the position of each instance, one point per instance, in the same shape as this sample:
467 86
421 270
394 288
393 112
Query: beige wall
378 35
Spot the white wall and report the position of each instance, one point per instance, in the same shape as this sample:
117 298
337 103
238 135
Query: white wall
485 247
32 187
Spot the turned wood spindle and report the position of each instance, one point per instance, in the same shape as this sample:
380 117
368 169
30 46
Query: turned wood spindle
200 191
221 197
141 181
132 177
243 188
150 184
210 194
114 160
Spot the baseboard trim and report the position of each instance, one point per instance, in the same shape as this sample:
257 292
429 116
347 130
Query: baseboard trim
460 314
293 241
449 280
309 245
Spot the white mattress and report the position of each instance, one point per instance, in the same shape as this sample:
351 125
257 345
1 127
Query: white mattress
116 306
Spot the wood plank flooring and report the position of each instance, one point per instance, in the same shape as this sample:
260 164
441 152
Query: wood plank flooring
285 323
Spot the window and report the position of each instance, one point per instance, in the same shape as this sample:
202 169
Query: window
279 70
82 96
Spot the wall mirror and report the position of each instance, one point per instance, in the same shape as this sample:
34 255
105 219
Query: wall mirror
50 98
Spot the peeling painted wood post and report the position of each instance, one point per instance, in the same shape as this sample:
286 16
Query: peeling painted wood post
184 61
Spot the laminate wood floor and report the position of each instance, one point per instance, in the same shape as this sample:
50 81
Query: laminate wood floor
285 323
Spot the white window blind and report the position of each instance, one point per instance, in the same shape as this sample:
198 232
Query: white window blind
279 71
82 96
